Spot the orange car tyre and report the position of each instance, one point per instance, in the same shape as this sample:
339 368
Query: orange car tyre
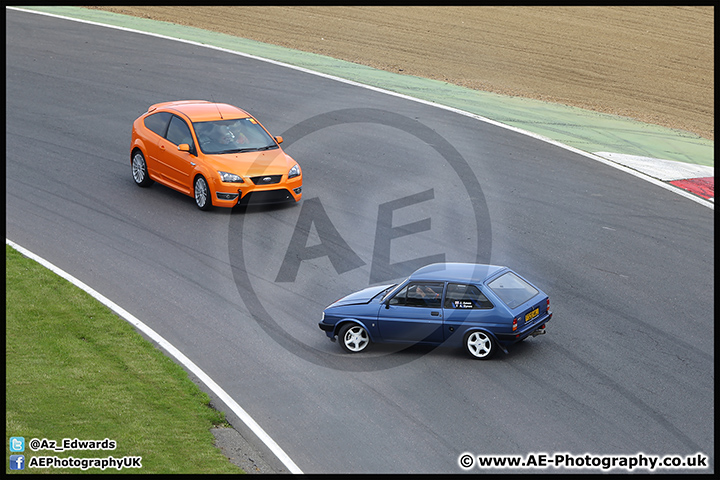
353 338
480 345
202 194
140 171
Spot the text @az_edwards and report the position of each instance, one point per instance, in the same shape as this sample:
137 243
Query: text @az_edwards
18 460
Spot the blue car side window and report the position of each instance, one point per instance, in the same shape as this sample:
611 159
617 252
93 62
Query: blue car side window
400 298
419 294
463 296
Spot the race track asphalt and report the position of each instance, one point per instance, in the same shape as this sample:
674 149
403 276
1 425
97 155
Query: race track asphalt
389 183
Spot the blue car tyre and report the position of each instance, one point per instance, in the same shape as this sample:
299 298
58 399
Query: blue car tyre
353 338
480 345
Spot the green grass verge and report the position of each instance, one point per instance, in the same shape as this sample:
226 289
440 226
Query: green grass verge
76 370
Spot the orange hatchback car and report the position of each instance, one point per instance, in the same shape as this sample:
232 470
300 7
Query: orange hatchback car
217 153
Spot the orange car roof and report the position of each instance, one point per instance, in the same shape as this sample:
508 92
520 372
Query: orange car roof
202 110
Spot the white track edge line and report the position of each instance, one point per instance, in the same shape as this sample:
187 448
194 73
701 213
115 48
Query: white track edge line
177 354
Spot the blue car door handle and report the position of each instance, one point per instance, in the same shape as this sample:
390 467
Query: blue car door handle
435 314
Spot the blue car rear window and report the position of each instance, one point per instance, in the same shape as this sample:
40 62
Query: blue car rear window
512 289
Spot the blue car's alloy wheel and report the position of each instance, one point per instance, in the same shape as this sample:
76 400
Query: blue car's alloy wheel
480 345
353 338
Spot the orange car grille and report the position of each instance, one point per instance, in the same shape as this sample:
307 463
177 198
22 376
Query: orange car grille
270 196
266 179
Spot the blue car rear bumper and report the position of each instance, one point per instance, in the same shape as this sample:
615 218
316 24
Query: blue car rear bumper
510 338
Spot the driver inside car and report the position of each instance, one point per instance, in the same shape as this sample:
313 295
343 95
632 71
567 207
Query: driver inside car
218 139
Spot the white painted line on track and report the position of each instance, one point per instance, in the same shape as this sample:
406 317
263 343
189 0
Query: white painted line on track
177 354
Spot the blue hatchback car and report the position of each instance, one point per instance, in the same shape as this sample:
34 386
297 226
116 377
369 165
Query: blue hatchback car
479 307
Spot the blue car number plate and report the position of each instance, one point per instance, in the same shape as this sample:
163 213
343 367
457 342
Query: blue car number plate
532 314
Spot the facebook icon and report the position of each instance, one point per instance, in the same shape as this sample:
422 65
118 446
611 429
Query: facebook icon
17 462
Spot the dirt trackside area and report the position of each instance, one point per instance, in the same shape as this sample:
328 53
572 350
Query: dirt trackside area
653 64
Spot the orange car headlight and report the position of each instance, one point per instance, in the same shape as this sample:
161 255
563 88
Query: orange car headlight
230 178
294 171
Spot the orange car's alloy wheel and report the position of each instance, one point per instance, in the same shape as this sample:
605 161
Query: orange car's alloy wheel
202 194
139 170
